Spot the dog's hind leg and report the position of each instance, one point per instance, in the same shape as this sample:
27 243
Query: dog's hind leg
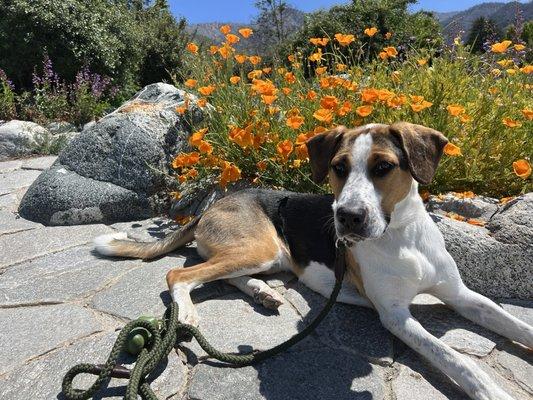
258 290
231 263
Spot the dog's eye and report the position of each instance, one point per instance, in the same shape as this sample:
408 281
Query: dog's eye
340 169
383 168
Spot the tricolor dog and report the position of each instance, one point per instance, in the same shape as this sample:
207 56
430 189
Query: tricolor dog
395 249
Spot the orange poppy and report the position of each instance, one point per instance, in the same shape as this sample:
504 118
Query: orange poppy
235 79
417 107
344 40
511 123
369 95
206 90
500 47
241 58
290 78
230 173
364 111
231 38
329 102
254 60
295 121
371 31
284 149
452 150
246 32
196 137
190 83
522 168
225 29
455 109
193 48
323 115
319 41
528 113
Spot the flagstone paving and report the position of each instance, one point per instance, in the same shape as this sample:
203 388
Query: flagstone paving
61 304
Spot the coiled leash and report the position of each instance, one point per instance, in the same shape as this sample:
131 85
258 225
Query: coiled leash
153 343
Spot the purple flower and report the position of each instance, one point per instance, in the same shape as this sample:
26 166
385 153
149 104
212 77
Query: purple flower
4 79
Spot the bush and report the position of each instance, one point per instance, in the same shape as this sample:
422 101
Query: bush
124 40
7 98
53 99
263 118
395 26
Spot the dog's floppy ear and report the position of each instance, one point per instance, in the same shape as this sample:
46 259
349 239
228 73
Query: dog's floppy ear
321 149
422 147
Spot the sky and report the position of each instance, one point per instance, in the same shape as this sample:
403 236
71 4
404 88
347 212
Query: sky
244 10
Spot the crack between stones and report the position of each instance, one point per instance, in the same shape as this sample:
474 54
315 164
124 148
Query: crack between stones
31 304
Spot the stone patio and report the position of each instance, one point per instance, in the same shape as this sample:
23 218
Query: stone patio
60 304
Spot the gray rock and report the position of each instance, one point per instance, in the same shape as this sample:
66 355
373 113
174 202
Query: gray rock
30 244
301 374
496 264
117 169
50 326
71 274
60 127
18 138
516 362
477 207
522 309
353 329
513 225
8 166
62 197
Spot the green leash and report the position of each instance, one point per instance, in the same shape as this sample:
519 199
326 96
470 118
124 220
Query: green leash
154 343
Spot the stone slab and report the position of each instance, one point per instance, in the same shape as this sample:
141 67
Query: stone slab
31 331
12 223
8 166
516 362
141 291
27 245
41 378
318 373
18 179
38 163
235 323
71 274
456 331
354 329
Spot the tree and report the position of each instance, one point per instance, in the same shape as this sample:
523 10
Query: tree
483 30
271 19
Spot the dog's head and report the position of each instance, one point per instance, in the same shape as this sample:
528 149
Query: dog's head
371 169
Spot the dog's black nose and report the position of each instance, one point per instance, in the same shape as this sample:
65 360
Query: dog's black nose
352 220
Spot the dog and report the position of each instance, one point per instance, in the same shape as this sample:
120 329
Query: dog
395 250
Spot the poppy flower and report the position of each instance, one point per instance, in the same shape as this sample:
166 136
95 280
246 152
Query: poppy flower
231 38
213 49
344 40
290 78
316 57
254 60
369 95
528 113
311 95
246 32
235 79
452 150
320 70
262 165
455 109
371 31
364 111
511 123
230 173
284 149
205 147
193 48
319 41
241 58
329 102
206 90
196 137
225 29
391 51
522 168
202 102
500 47
190 83
519 47
417 107
344 109
323 115
295 121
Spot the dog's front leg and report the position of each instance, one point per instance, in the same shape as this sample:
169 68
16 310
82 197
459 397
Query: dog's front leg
486 313
476 383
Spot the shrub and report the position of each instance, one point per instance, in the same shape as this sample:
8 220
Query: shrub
7 98
261 119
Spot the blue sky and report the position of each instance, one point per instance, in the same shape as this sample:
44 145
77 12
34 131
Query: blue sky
244 10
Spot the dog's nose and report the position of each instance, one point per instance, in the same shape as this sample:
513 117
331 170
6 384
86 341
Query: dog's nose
352 220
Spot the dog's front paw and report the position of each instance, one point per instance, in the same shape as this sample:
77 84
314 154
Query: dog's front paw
271 299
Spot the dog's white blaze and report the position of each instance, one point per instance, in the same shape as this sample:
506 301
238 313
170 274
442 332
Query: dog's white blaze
359 191
319 278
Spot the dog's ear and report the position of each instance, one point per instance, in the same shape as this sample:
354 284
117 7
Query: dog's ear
321 149
422 147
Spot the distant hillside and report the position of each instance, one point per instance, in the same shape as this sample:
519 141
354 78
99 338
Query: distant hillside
209 31
503 14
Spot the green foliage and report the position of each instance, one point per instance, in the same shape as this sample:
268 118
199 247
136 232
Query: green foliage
130 41
483 30
7 98
419 29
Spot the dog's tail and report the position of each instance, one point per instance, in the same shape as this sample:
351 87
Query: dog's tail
116 244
